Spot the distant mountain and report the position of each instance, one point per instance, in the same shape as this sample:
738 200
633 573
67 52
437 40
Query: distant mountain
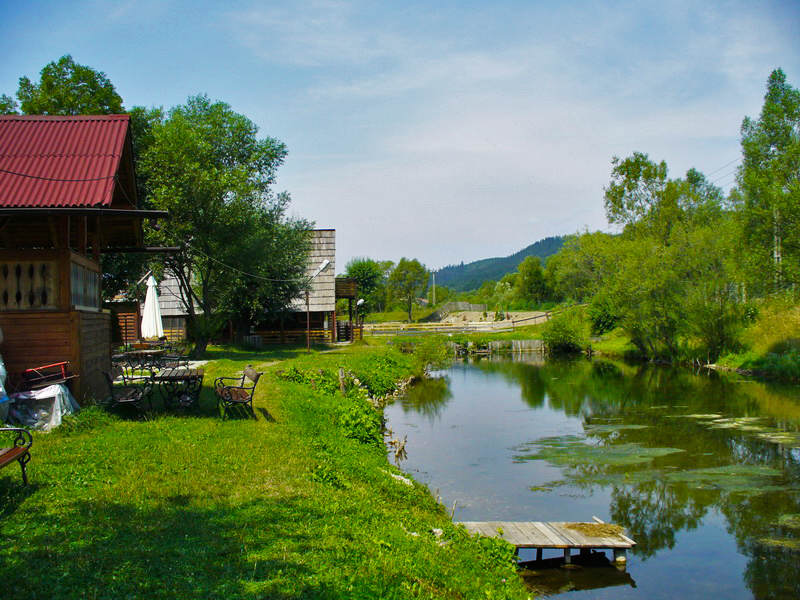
470 276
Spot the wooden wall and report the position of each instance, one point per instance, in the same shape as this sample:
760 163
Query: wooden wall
94 329
39 338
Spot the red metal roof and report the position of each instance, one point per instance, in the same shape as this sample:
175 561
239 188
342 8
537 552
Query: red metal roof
55 161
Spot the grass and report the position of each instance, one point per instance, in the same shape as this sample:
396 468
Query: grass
771 344
614 343
282 506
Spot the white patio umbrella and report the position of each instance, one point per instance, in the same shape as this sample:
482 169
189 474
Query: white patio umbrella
151 315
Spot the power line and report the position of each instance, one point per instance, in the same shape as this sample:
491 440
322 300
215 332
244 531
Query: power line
722 167
57 179
721 177
295 280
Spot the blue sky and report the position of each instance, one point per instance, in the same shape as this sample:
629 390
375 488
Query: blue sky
444 131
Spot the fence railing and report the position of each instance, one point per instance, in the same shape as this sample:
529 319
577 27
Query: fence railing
465 327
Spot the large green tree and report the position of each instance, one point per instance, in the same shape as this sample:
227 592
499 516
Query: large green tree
407 282
68 88
207 166
770 181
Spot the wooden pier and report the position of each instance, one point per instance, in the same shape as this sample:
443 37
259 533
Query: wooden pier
541 535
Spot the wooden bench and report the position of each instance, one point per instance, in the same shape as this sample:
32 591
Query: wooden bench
19 451
239 392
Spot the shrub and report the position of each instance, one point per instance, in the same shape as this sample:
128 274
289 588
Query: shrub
360 420
567 332
602 315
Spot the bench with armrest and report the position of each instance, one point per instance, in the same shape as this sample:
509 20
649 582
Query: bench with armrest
19 451
237 391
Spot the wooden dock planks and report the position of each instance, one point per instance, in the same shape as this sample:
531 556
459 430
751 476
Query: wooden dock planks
539 534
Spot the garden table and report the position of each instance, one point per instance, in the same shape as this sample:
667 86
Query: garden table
179 386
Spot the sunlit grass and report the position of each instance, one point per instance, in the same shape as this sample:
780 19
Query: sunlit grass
188 505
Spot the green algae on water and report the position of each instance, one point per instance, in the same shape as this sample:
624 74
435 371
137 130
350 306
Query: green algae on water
744 479
596 429
792 521
788 543
573 451
785 438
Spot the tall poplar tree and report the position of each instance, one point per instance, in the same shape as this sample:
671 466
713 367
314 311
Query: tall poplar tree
770 181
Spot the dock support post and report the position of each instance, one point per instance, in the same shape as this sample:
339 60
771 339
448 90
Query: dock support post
538 554
619 556
567 557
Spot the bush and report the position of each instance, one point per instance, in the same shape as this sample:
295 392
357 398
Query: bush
567 332
360 420
602 315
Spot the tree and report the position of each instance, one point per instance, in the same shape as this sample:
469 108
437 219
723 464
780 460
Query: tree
770 181
208 168
637 185
8 105
370 278
530 285
67 88
408 281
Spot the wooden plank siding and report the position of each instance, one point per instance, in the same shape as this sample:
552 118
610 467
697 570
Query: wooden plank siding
322 296
95 355
34 338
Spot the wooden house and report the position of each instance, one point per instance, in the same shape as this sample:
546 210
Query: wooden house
316 311
321 307
67 193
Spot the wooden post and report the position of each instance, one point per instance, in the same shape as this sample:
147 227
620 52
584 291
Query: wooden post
567 557
538 554
97 239
350 319
308 324
619 556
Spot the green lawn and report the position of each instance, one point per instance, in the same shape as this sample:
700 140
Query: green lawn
190 506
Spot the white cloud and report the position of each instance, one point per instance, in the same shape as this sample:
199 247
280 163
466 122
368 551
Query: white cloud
460 149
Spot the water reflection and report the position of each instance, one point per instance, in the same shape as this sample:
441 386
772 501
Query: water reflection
670 451
428 397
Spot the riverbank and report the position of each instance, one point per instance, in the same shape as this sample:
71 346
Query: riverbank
768 346
299 503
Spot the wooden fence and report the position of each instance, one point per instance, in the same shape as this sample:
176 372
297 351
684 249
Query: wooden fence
466 327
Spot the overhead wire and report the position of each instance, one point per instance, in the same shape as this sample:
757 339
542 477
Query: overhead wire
57 179
722 167
253 275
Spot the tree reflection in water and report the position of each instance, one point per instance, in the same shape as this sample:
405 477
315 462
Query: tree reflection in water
427 397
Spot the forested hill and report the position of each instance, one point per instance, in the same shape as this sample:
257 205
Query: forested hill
470 276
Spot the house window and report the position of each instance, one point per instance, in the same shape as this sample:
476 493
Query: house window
85 287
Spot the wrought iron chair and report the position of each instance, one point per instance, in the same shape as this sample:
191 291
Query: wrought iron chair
19 451
238 393
132 391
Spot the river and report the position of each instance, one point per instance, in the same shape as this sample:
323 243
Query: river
703 470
